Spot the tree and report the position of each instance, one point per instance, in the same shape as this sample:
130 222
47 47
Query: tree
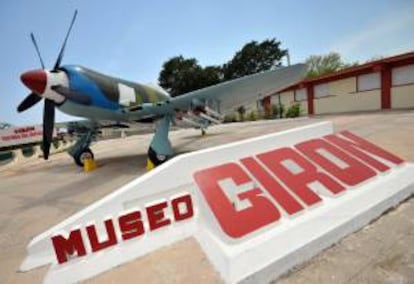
210 75
324 64
180 75
254 57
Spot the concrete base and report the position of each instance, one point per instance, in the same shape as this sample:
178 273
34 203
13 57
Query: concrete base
381 252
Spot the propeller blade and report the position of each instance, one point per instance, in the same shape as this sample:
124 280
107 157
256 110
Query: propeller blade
62 50
72 95
28 102
37 50
48 125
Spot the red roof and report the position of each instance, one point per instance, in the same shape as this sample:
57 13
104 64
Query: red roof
373 66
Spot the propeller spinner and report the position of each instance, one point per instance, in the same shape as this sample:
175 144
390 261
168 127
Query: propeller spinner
35 80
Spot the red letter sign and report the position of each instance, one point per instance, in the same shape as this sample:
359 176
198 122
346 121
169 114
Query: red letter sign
156 216
257 210
187 202
359 148
335 161
281 195
131 225
64 247
298 180
93 236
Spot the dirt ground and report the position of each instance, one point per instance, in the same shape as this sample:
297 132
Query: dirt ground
38 194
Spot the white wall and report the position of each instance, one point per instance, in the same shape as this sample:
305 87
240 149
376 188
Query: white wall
402 91
402 96
342 96
358 93
369 100
288 98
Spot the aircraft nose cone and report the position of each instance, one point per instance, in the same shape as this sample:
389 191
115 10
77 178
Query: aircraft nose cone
35 80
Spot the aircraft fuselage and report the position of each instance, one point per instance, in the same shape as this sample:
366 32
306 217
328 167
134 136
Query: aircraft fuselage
110 98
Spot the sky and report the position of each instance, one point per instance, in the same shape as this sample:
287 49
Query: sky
131 39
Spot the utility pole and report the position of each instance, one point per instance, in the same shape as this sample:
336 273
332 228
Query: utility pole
288 57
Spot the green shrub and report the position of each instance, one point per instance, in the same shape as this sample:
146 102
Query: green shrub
293 111
241 111
252 116
281 110
278 110
229 118
55 143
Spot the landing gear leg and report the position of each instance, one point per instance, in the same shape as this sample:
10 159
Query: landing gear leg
160 149
81 151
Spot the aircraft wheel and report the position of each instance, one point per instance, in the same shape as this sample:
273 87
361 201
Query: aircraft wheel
156 159
85 154
203 132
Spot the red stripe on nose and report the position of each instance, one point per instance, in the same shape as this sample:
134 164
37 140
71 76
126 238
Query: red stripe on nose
35 80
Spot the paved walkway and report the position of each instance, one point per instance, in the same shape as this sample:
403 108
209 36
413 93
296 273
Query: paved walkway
38 194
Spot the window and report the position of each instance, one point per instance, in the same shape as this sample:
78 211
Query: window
300 95
368 82
321 90
403 75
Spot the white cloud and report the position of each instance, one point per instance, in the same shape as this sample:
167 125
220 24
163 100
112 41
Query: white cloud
387 35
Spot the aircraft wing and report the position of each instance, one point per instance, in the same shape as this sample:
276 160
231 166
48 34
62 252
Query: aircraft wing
245 90
227 96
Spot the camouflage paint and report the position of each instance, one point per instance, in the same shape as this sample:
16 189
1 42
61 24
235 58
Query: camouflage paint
104 89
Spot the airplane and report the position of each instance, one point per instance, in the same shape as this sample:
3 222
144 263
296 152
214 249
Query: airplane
80 91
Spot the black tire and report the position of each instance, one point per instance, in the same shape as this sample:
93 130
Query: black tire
155 158
82 155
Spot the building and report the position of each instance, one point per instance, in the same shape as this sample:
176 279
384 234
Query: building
383 84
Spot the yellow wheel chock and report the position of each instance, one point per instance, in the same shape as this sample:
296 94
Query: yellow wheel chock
150 165
89 165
